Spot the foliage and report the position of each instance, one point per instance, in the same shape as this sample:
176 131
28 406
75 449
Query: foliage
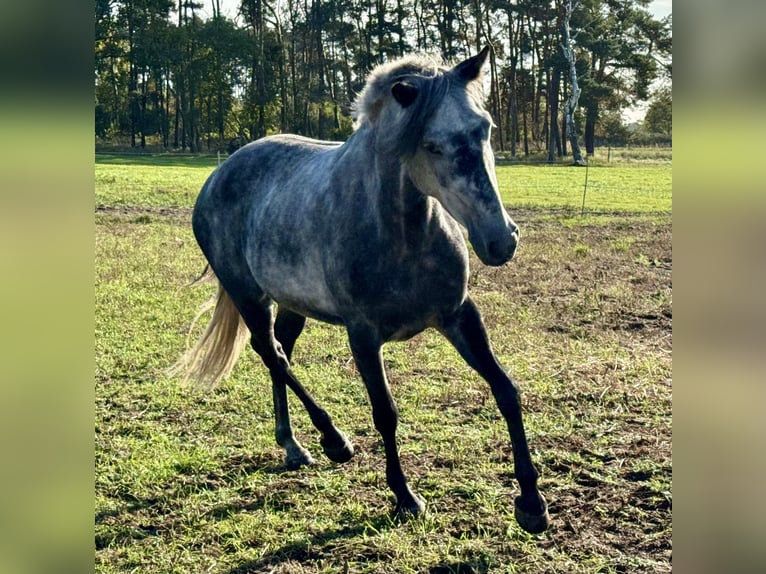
659 116
198 84
611 129
622 44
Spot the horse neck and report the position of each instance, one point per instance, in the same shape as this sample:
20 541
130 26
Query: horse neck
404 211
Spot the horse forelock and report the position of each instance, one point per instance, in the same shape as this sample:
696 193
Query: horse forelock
399 131
377 89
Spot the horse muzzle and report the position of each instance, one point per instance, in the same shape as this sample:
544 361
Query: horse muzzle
495 247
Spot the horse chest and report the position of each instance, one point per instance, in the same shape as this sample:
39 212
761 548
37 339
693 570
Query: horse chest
406 295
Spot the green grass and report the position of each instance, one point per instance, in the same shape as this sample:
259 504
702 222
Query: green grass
609 188
168 180
153 180
152 186
193 482
159 160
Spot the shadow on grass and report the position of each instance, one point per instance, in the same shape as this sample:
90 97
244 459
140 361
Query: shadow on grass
164 498
320 545
469 567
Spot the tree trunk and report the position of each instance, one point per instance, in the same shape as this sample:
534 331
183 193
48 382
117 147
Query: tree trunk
526 130
513 107
261 76
495 99
142 111
574 95
322 121
591 117
563 151
283 97
554 142
293 73
132 77
166 110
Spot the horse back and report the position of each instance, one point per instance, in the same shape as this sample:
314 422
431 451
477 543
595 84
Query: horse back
248 179
252 220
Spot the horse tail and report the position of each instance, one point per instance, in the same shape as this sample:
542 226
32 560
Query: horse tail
213 357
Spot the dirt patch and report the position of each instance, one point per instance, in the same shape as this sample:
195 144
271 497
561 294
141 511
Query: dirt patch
587 278
605 287
141 215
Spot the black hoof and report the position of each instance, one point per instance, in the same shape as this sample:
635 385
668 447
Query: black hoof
532 517
410 507
339 449
298 458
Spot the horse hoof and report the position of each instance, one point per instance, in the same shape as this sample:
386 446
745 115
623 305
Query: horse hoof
298 458
339 449
532 517
414 506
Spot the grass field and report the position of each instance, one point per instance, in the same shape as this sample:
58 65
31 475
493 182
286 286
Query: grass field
167 180
189 482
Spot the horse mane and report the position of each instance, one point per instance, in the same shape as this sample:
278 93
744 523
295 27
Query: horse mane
399 130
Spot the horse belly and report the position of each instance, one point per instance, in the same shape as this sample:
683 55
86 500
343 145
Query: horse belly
294 278
306 297
283 247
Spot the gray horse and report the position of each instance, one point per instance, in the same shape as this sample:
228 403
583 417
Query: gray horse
364 234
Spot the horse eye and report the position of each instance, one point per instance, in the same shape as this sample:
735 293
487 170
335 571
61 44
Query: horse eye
432 148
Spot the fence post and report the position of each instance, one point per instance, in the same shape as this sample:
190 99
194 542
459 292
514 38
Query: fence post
585 188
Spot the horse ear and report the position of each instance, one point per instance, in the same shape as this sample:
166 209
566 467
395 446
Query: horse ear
404 93
470 69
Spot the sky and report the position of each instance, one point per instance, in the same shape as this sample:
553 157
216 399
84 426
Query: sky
661 8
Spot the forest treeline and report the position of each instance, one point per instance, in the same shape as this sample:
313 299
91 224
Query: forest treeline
168 74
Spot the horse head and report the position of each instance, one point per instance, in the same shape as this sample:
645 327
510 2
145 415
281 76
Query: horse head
453 160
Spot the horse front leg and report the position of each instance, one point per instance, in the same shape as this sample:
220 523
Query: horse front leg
466 331
366 349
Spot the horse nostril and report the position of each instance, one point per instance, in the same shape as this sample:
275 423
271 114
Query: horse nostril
503 249
495 250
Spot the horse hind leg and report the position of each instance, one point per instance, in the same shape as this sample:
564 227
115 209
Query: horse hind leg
287 327
274 342
286 331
